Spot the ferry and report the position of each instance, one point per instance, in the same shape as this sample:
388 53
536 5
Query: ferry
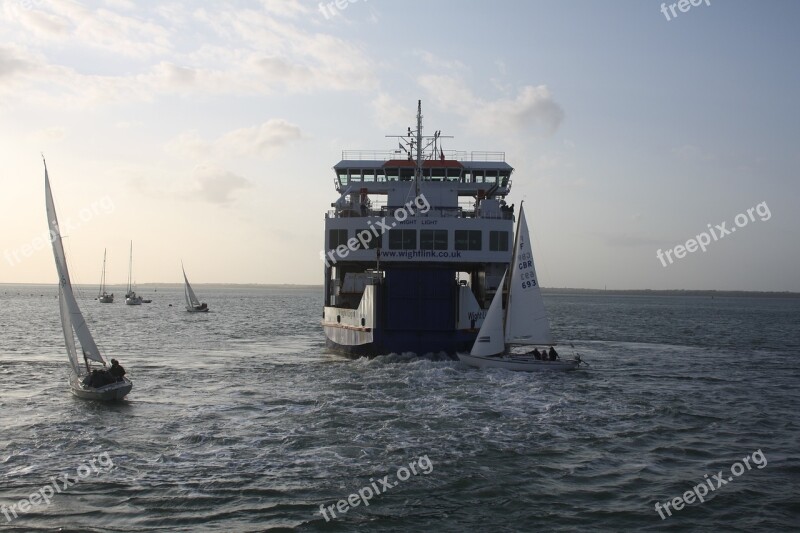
415 247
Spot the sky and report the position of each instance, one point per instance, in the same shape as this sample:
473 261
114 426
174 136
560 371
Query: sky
205 132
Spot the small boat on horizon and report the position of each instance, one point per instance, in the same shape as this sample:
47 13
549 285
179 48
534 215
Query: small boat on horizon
102 295
522 322
84 381
193 304
130 296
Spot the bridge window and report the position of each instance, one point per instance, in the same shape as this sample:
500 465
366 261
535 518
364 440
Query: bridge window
403 239
374 243
336 237
343 178
498 241
392 174
468 240
438 174
369 175
433 239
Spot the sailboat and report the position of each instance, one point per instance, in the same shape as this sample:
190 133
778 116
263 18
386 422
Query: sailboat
74 325
522 322
193 305
103 296
130 295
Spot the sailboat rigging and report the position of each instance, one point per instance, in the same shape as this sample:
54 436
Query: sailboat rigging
130 296
522 322
84 381
193 304
103 296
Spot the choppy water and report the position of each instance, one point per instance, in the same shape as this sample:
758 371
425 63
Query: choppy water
239 420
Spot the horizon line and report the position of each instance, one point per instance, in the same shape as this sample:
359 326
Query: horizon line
544 288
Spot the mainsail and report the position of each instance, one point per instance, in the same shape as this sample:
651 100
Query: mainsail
490 337
191 298
71 317
526 319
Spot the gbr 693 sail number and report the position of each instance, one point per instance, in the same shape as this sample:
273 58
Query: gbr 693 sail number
528 278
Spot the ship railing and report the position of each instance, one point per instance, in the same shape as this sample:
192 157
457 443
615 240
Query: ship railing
453 155
434 212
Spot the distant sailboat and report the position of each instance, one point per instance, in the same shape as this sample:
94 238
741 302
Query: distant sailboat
130 295
523 322
193 305
74 325
103 296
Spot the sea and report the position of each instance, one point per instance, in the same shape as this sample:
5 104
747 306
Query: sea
240 420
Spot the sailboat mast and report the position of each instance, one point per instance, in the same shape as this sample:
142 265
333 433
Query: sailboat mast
103 276
130 267
512 266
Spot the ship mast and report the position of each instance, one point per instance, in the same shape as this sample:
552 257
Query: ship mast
411 144
418 173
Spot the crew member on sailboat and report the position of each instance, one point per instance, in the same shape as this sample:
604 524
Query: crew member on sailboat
117 371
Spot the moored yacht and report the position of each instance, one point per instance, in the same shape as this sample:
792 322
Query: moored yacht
415 247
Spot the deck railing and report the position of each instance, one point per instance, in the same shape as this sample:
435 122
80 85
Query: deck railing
457 155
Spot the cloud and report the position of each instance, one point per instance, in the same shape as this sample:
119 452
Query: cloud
532 108
100 28
285 8
54 134
388 111
13 62
438 63
279 53
263 140
170 49
216 185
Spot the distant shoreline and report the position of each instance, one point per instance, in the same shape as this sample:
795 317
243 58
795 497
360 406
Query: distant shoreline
144 287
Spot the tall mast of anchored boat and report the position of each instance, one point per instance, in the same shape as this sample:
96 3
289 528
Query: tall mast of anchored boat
130 267
103 275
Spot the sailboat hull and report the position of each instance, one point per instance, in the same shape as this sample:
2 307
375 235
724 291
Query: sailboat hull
196 310
107 299
519 363
107 393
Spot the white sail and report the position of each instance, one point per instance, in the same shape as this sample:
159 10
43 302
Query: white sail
68 304
69 337
490 339
526 319
191 298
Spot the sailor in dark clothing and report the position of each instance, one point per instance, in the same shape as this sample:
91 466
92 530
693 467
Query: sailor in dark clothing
553 354
88 379
535 354
116 370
